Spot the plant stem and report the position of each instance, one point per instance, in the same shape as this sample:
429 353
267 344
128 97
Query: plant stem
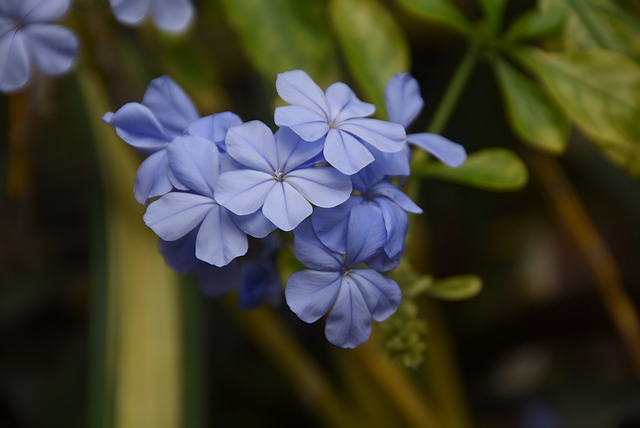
572 215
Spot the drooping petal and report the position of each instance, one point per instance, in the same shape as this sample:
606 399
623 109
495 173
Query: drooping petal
322 186
345 152
308 124
382 294
253 144
194 161
130 12
170 105
396 223
172 15
294 151
176 214
260 283
387 164
256 224
344 104
402 99
310 293
243 191
219 239
32 11
311 252
53 47
152 178
138 127
286 207
14 61
297 88
330 224
214 127
387 190
447 151
384 136
349 321
366 234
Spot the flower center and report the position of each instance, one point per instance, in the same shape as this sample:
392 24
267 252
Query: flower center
278 175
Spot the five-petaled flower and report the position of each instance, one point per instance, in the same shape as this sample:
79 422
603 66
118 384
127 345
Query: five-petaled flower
27 36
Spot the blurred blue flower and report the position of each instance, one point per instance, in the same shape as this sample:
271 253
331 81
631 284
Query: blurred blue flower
260 279
278 176
337 283
165 113
26 36
404 103
169 15
337 116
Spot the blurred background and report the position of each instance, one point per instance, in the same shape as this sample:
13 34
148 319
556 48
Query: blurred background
94 331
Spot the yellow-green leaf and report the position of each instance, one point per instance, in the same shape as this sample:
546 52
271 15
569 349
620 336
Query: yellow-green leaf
374 46
493 11
536 23
456 287
532 116
442 11
495 169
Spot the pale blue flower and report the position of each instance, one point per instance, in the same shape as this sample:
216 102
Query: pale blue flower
337 282
338 117
28 38
169 15
277 178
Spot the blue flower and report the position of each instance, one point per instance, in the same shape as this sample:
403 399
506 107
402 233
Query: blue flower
337 283
169 15
260 279
278 176
337 116
165 113
404 103
26 35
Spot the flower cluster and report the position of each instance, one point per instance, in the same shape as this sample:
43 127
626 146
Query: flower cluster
28 37
216 183
169 15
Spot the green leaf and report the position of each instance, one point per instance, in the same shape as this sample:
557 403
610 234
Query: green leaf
532 116
495 169
494 11
442 11
536 23
456 287
374 46
600 91
282 35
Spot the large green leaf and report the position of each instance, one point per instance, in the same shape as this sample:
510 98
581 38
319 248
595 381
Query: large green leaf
532 116
600 91
605 24
536 23
493 11
442 11
281 35
373 44
496 169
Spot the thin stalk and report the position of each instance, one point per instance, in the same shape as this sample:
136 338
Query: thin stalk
573 217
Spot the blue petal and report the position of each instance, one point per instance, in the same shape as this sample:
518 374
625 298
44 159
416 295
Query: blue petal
402 99
294 151
381 262
253 144
138 126
180 254
152 178
384 136
14 61
172 15
345 152
219 239
297 88
194 161
366 234
176 214
170 105
447 151
286 207
308 124
310 293
42 10
396 223
343 103
256 224
349 321
215 281
130 12
384 189
312 253
214 127
260 282
322 186
53 47
331 224
382 295
243 191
